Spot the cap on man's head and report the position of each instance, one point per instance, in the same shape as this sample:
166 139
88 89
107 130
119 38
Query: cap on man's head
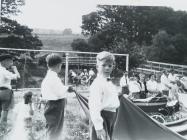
28 94
107 56
5 56
53 59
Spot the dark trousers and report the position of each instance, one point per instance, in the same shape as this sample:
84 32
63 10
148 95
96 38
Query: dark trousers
54 115
108 124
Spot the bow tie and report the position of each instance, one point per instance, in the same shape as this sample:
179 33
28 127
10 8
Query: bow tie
109 79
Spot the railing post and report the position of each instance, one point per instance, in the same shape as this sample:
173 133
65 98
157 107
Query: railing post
66 71
127 63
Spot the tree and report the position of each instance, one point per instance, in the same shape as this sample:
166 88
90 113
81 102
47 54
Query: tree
22 38
9 7
162 48
67 31
152 30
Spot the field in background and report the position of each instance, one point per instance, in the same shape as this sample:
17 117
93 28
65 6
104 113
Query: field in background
58 41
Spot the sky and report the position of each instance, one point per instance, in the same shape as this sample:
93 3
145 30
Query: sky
61 14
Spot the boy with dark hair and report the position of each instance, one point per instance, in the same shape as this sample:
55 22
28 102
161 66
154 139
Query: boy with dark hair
103 100
54 92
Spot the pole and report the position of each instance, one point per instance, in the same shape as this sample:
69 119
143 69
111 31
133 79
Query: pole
66 71
0 10
127 62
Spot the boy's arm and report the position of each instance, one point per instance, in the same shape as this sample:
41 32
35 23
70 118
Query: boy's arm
59 88
14 75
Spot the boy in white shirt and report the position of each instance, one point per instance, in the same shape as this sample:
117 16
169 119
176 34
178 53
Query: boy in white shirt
103 100
54 92
6 93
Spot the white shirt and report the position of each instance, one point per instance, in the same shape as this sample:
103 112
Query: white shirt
91 73
6 77
171 78
165 81
103 96
52 88
152 86
73 74
124 81
134 86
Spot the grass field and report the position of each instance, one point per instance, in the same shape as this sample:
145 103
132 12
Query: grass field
58 42
75 123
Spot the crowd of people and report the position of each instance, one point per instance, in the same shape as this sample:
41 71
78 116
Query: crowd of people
82 77
139 86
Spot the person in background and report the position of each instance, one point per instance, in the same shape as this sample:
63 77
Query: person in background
92 76
54 92
103 99
172 77
134 87
124 81
6 93
165 81
142 82
152 85
72 76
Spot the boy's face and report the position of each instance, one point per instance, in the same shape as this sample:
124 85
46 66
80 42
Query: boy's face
105 68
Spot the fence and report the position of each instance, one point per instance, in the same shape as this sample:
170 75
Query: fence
31 64
152 66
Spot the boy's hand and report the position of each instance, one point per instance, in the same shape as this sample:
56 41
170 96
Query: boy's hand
71 89
101 134
31 112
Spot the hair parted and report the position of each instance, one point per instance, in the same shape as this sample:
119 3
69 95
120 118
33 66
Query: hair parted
53 59
105 56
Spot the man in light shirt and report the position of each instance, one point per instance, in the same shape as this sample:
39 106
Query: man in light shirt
6 94
103 99
165 81
124 81
54 92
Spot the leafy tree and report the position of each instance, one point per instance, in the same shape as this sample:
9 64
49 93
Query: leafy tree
153 30
9 7
162 48
21 37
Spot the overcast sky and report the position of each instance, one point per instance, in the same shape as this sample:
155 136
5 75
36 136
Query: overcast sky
61 14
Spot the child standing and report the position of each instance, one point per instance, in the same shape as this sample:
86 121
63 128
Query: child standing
24 112
54 92
103 100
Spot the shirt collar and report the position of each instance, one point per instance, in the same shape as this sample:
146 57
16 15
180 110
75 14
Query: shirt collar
52 72
1 67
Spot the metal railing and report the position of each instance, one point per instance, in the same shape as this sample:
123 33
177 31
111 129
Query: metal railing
153 66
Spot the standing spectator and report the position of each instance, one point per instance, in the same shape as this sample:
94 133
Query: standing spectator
172 77
165 81
54 92
84 77
124 81
103 100
72 76
143 86
6 93
23 113
92 75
